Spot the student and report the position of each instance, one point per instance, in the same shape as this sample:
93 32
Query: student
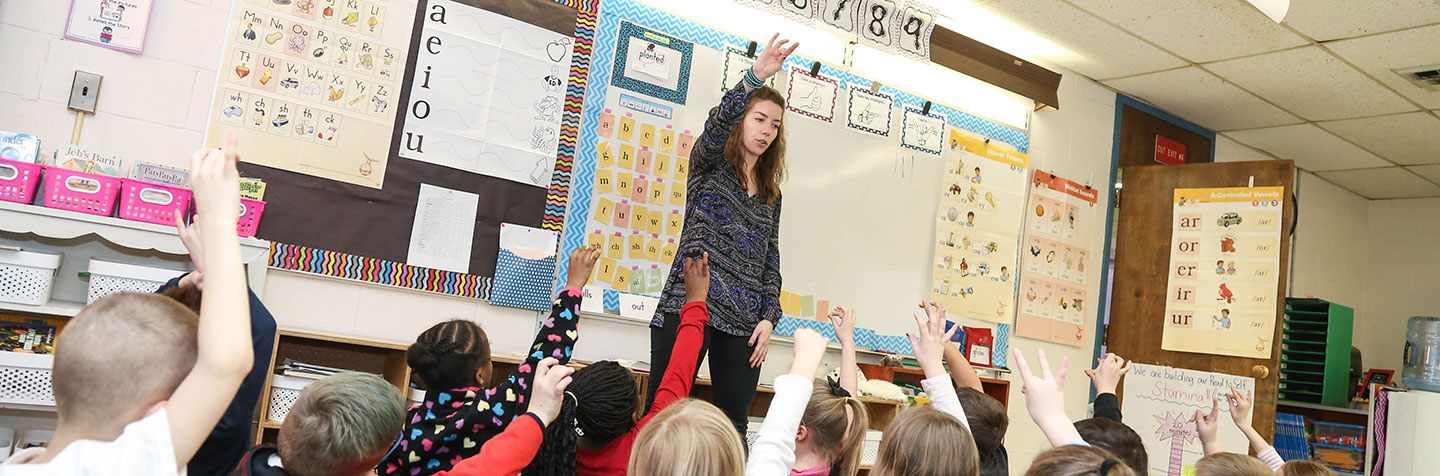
774 451
1208 427
1076 460
834 425
596 428
1231 464
1105 430
340 426
1302 467
229 440
509 452
452 358
987 418
1071 455
139 383
933 439
688 438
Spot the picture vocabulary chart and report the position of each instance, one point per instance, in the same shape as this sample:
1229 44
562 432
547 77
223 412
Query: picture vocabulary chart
1160 404
978 229
488 94
309 85
1227 309
1055 257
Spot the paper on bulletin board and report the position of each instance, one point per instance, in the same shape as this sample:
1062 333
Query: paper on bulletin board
812 96
1056 255
1224 271
736 63
488 95
310 88
115 24
1160 403
978 231
443 230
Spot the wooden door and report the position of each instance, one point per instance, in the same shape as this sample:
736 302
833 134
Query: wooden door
1142 267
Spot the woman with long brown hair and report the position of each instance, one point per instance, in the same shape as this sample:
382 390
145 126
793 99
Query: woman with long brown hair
732 212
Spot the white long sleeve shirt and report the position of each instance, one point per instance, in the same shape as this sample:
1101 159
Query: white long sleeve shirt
773 453
943 398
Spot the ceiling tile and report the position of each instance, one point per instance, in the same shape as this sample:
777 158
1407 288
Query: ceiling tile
1409 139
1431 172
1325 20
1201 97
1379 54
1213 29
1228 150
1310 147
1388 182
1099 49
1311 83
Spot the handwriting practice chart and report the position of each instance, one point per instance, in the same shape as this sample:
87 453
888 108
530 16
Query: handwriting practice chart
1055 257
1224 271
977 229
639 203
488 94
310 85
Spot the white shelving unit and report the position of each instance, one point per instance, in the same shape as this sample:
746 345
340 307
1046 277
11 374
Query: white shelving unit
81 237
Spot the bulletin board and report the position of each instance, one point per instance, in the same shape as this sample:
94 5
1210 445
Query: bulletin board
343 183
858 216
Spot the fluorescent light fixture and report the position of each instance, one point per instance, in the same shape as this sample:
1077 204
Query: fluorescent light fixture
945 86
1275 9
971 20
758 25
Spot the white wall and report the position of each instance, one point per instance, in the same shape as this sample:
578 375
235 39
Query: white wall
1399 272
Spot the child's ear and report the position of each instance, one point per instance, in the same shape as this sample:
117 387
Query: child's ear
482 374
802 434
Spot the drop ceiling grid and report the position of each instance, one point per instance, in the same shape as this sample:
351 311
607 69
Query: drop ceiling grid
1311 147
1203 98
1101 49
1383 183
1410 138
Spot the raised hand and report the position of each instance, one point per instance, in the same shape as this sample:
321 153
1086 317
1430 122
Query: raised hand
809 349
843 318
1107 373
697 278
582 265
1045 399
1240 406
773 57
548 394
1208 426
932 338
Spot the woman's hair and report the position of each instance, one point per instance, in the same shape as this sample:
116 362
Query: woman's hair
1077 460
1231 464
833 433
923 441
770 167
447 354
602 408
1302 467
688 438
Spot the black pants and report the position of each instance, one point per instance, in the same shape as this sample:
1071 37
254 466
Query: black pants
733 380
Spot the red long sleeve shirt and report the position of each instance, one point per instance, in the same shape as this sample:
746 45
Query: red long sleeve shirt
505 454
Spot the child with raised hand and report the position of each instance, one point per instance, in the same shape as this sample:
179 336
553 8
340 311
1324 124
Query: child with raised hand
138 383
596 429
509 452
773 453
340 426
452 358
986 417
1106 376
834 425
1216 461
1071 455
1239 403
1106 430
934 439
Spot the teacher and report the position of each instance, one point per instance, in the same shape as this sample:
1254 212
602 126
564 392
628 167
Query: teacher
732 214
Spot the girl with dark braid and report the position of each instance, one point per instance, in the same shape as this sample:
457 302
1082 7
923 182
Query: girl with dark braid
452 358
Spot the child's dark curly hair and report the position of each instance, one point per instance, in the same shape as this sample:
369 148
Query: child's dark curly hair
447 355
599 405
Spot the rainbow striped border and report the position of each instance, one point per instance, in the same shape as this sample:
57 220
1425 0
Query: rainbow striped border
557 199
372 270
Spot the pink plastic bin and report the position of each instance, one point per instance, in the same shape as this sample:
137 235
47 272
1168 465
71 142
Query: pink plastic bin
79 191
19 180
152 203
250 211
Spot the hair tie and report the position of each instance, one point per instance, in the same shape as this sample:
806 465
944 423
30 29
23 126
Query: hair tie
1109 463
835 388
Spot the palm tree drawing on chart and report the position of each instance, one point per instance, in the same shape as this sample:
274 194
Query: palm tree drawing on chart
1179 429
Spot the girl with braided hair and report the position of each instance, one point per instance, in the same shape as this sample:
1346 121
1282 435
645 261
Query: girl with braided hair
465 406
596 429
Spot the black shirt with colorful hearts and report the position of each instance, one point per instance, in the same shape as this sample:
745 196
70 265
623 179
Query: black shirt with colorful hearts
450 425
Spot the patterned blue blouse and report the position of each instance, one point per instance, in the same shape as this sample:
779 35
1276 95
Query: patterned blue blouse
740 232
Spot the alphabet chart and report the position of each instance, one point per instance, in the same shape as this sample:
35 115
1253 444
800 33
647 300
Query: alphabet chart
487 95
639 201
1224 271
1055 258
309 85
977 229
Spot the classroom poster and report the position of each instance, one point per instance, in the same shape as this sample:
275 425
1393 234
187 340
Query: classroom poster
487 96
1160 404
309 85
115 24
1227 309
1055 257
978 229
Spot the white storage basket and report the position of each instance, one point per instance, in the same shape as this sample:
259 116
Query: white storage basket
27 277
752 430
284 391
870 448
25 379
107 277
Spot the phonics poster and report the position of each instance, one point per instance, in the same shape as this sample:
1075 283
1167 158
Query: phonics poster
1224 271
1160 403
1055 256
310 85
978 229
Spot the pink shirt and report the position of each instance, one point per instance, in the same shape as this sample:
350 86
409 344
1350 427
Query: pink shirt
822 470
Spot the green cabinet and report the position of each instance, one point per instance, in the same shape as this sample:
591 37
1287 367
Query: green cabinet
1315 352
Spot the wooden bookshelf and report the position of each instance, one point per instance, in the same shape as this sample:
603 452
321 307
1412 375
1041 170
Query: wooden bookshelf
377 356
998 389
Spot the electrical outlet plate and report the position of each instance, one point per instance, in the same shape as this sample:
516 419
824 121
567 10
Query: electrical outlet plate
85 92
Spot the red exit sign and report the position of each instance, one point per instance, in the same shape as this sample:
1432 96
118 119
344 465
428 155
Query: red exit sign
1168 151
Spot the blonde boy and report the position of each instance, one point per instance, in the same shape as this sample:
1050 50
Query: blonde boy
139 383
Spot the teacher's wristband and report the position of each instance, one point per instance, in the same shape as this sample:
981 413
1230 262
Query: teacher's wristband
753 81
